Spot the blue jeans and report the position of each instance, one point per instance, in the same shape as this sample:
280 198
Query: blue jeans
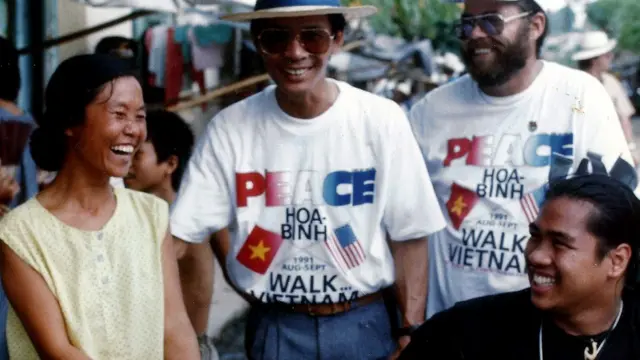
363 333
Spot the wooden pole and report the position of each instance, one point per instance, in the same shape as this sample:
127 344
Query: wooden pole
220 92
239 85
85 32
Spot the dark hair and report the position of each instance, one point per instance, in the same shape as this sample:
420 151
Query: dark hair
337 21
73 86
9 71
585 64
533 8
108 44
615 219
170 135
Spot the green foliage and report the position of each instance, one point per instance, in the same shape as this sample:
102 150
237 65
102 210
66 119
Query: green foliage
619 18
416 19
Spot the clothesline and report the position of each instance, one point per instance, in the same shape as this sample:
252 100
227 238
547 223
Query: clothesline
84 32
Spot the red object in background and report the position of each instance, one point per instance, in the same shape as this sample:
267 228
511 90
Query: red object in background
174 71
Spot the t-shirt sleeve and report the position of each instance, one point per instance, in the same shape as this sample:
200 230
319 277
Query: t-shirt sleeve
603 147
412 210
203 203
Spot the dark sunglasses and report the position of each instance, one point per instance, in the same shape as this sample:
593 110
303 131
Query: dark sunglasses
313 41
491 24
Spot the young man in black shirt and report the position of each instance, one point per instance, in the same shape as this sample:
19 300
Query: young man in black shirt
582 262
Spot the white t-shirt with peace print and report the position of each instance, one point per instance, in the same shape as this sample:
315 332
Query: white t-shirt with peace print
490 158
308 202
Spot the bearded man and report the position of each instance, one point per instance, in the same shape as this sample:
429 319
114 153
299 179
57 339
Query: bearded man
494 138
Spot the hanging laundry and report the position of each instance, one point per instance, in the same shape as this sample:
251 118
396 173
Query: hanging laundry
175 69
207 35
208 45
181 36
158 53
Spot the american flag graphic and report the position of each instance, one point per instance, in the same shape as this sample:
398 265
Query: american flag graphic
531 203
345 249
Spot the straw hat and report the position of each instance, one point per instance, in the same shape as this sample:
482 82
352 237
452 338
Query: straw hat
594 44
268 9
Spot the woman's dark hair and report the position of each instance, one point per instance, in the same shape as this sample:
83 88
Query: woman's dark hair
9 71
75 84
615 219
170 135
337 21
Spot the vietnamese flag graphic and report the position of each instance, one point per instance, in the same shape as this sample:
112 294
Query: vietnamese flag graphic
259 250
460 204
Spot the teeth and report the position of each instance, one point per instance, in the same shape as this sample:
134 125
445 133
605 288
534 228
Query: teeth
482 51
543 280
296 72
123 148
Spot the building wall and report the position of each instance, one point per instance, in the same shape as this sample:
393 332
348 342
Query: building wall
73 16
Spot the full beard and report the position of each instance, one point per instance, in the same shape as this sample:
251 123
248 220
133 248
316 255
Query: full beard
508 61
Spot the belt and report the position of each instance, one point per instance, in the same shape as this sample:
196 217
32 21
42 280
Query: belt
328 309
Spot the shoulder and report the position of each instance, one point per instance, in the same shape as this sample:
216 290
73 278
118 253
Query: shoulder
457 90
146 208
489 306
20 217
575 83
502 311
242 114
365 100
373 113
142 201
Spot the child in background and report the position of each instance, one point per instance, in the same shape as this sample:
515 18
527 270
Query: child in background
157 169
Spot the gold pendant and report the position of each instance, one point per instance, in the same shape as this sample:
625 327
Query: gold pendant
594 351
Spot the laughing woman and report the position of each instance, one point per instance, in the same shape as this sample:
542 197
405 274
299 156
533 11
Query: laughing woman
89 270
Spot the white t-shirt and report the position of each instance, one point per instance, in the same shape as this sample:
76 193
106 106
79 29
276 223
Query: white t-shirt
308 202
490 159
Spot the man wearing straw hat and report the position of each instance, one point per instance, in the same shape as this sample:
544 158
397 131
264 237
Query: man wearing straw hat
312 177
594 56
493 139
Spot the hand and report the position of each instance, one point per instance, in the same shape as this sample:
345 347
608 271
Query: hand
9 188
403 341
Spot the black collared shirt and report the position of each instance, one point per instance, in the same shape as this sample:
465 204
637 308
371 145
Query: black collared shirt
506 327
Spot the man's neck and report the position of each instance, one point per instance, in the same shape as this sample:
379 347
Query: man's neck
310 105
518 83
588 322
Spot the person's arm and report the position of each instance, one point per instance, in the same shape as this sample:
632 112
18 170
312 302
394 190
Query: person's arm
9 188
196 276
203 207
36 307
180 340
411 214
411 261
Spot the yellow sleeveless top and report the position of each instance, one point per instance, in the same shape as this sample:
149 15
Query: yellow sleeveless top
109 283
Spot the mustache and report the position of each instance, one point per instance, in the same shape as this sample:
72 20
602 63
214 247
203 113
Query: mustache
484 43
